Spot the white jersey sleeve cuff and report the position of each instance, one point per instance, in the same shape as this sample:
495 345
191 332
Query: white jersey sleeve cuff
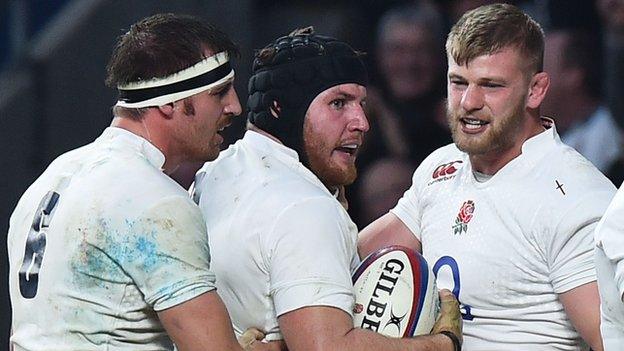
181 292
309 293
406 216
580 278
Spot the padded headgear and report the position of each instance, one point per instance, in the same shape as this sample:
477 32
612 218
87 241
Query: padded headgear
302 66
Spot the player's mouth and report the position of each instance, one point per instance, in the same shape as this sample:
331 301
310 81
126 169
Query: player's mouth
224 124
220 128
472 125
348 150
223 128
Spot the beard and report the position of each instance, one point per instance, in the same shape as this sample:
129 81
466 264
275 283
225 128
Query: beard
319 158
500 134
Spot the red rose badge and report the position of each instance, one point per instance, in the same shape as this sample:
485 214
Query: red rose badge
463 217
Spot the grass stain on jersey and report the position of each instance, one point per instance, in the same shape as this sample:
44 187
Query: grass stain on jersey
148 252
92 265
107 255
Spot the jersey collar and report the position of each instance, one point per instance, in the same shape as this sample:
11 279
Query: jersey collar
535 146
128 139
269 145
283 153
533 150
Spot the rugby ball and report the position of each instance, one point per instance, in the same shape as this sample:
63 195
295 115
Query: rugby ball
395 293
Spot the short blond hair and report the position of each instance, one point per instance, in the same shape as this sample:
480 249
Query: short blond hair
489 29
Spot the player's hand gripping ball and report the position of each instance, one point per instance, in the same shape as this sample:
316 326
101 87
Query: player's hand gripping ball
251 340
450 319
249 337
395 293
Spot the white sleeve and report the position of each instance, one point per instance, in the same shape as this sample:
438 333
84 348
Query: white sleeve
610 237
571 243
408 208
310 250
166 253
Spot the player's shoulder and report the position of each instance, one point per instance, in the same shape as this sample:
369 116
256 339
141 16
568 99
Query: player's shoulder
247 167
231 163
565 180
151 185
442 164
291 188
566 164
62 165
129 178
68 161
446 152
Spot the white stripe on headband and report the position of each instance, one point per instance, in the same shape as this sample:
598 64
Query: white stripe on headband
188 78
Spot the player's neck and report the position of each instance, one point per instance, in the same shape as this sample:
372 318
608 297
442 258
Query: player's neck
491 163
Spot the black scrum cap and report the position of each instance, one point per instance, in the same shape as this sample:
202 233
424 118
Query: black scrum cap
303 66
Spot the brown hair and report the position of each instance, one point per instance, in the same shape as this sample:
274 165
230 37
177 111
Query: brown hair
266 54
160 45
489 29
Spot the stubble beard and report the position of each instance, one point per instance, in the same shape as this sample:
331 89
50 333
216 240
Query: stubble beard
499 135
319 159
198 147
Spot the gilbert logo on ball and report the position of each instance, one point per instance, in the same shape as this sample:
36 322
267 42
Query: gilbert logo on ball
395 293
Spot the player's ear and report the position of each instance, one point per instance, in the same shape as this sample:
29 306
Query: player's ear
166 110
537 89
275 108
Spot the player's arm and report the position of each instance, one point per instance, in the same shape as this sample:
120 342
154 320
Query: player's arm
582 305
327 328
201 323
393 228
571 252
179 284
385 231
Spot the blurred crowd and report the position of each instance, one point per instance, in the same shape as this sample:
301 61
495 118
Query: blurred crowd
404 46
584 55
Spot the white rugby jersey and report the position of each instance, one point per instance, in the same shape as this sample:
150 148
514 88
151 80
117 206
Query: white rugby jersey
609 255
507 246
279 239
110 239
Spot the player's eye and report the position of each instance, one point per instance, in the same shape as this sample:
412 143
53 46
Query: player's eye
221 92
337 103
458 82
492 85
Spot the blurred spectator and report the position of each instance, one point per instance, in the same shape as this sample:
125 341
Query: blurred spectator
612 15
383 185
456 8
405 110
574 99
409 49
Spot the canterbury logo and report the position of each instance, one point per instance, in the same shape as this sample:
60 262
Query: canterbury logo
445 169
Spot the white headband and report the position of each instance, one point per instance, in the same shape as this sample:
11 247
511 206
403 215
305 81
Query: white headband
206 74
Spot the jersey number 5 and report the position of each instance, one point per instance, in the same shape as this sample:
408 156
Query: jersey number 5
35 246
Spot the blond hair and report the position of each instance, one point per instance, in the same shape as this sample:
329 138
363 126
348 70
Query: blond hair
489 29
